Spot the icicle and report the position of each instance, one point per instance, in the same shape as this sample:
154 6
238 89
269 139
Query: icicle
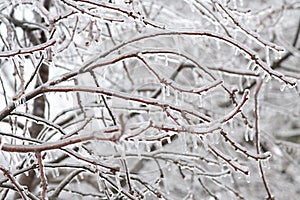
23 100
258 71
138 149
210 138
195 76
95 97
22 58
253 67
278 54
104 74
34 58
11 61
260 174
77 180
20 101
216 138
55 172
176 97
250 65
118 182
292 86
282 87
44 54
181 97
267 51
163 91
248 81
200 101
168 139
192 8
136 143
156 57
267 77
26 172
148 146
246 134
122 151
232 180
231 125
100 184
26 191
241 88
236 52
37 173
98 100
195 143
166 60
165 185
167 90
205 142
94 168
184 142
169 166
266 164
241 2
97 35
194 41
251 134
159 144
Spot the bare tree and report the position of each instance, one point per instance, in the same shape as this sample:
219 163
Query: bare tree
131 99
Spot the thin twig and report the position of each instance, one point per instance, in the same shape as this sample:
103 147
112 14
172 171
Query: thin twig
257 137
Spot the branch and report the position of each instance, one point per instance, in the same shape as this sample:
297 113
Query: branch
37 119
28 50
42 175
53 145
236 166
237 109
232 42
257 138
64 183
20 188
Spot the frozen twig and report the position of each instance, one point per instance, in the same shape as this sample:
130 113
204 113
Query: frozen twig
64 183
19 187
257 138
28 50
43 178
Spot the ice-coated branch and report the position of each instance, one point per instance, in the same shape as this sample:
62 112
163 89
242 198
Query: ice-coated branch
147 99
236 166
37 119
250 54
19 187
122 95
239 148
237 109
115 8
170 83
257 137
110 182
110 169
28 50
64 183
53 145
241 26
43 177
